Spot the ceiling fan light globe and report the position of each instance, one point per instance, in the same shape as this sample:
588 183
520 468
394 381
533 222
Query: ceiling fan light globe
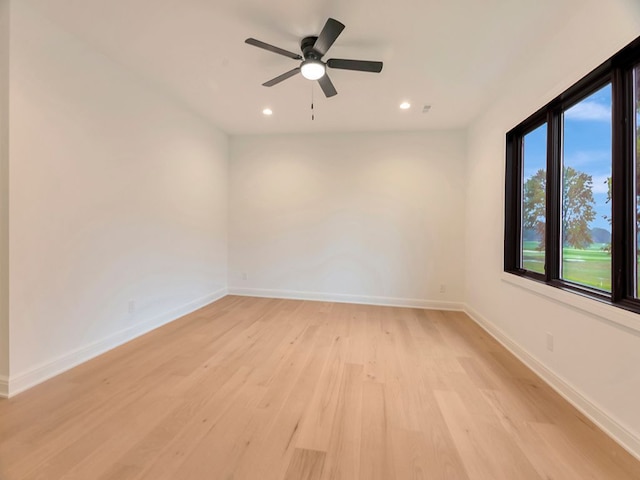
312 70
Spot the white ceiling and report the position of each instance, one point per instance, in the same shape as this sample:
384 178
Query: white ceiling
452 54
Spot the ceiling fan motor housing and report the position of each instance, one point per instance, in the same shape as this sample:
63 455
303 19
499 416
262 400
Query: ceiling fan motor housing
306 45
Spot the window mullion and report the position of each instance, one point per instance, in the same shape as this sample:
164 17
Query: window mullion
622 241
554 169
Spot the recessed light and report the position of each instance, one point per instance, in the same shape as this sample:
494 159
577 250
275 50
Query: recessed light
267 112
405 105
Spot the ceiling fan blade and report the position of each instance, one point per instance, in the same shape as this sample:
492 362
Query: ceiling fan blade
281 78
271 48
327 86
330 32
359 65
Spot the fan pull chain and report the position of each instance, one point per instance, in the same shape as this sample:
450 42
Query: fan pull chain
313 117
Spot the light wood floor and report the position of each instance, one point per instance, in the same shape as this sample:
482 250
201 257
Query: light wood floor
272 389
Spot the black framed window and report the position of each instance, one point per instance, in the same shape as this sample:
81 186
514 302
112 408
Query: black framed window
572 211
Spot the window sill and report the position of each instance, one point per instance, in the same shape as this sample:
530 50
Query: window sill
601 310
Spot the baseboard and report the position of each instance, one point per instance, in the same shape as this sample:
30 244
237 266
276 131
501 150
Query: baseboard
626 439
344 298
4 387
32 377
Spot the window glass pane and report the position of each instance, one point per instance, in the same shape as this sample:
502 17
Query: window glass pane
534 155
636 75
586 194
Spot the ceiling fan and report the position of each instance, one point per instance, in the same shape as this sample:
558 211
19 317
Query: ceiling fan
312 66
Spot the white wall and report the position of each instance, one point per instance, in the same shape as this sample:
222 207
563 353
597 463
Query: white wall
595 361
365 217
4 195
117 193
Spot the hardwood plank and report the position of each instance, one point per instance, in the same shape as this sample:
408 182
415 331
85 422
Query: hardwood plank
375 456
305 465
343 453
315 430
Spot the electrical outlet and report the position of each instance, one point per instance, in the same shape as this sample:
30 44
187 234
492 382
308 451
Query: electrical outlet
132 306
443 288
550 341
